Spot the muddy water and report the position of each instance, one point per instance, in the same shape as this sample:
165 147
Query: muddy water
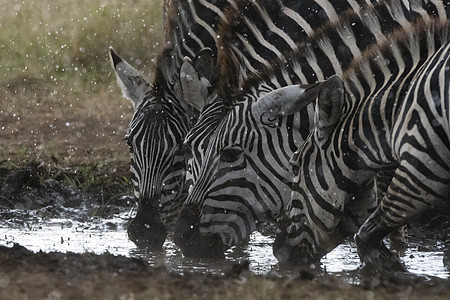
97 235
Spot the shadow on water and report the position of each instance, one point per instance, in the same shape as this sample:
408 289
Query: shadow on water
99 235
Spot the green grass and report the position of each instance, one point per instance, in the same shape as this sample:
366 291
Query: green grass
59 101
61 45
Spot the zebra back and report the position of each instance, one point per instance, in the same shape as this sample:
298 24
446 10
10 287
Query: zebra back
254 33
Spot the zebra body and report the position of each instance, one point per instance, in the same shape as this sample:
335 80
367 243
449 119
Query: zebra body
254 33
164 112
420 141
243 180
373 120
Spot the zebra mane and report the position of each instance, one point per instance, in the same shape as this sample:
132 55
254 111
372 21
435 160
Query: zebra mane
296 60
230 66
433 31
165 73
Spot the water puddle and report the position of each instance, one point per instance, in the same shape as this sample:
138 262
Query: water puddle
97 235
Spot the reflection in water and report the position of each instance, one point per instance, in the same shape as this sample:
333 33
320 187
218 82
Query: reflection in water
101 235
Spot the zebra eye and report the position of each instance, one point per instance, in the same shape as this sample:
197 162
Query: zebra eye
187 150
230 154
294 162
295 170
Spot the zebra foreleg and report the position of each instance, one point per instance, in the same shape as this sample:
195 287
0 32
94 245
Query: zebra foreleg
398 236
191 242
369 240
446 258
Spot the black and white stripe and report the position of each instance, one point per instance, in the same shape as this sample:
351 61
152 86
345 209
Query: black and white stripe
374 120
252 35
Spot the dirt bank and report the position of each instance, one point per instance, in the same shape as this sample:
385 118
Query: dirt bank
27 275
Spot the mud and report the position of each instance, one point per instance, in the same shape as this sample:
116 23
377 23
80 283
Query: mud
51 191
73 276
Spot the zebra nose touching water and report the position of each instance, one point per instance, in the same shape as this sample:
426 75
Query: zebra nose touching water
155 138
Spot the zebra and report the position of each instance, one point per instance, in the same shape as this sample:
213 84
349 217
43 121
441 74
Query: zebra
390 110
243 35
252 34
164 111
248 40
249 48
244 178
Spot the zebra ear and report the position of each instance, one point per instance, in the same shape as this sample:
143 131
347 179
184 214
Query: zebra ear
204 63
132 84
284 101
194 86
329 105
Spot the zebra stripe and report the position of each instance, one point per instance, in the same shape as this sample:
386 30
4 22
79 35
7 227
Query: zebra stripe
422 179
378 128
256 35
247 159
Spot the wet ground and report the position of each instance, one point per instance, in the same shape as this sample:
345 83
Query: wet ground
99 235
73 244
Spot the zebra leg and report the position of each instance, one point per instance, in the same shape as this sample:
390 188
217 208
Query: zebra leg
398 240
398 236
146 229
191 242
446 258
369 240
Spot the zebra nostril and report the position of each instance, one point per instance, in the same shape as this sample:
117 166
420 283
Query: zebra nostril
295 170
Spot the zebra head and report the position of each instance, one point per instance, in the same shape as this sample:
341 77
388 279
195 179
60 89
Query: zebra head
320 216
242 181
164 112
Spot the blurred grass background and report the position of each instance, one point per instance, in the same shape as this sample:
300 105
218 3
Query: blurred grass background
59 102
